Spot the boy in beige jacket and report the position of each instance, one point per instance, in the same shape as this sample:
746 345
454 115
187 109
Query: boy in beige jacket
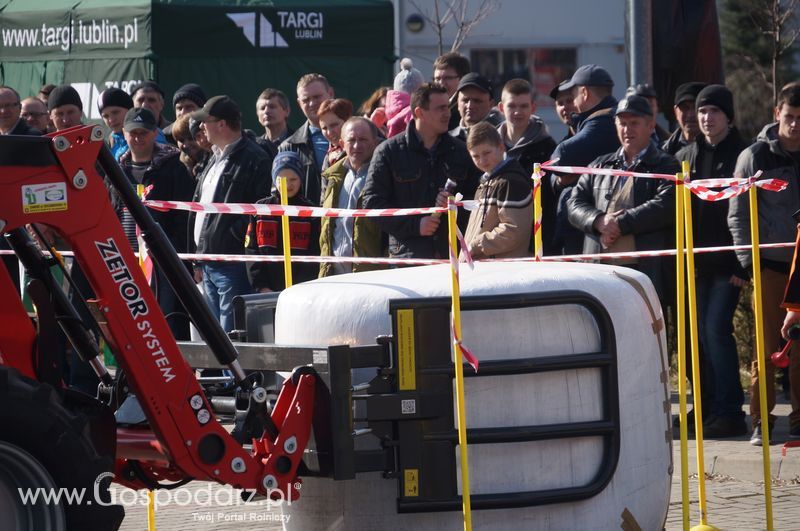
500 225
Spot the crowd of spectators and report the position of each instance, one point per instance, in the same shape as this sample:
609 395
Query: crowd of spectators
415 143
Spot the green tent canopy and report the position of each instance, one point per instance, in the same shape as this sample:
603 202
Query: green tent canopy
227 47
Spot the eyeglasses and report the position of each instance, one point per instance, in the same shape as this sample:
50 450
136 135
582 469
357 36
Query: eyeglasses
33 114
6 106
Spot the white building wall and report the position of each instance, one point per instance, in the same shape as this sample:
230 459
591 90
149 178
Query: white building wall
595 29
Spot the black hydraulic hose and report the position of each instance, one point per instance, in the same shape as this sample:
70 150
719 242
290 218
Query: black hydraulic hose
38 267
168 262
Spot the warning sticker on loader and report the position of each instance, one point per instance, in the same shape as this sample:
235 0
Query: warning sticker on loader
45 197
406 362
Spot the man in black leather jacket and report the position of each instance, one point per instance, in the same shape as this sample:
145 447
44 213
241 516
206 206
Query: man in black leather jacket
625 214
410 170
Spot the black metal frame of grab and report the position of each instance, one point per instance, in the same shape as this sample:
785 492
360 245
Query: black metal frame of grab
406 407
426 445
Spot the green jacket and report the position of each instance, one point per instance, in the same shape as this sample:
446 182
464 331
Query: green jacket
367 236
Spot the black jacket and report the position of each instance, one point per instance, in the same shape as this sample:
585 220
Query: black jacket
675 142
270 146
403 174
710 218
22 128
168 180
246 178
300 142
265 237
595 135
650 220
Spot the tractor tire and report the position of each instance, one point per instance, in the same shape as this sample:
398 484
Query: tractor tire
44 445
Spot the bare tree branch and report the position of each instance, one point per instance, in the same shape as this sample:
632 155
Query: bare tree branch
756 66
464 23
456 11
438 20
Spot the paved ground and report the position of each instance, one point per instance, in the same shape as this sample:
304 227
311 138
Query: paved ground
734 492
735 481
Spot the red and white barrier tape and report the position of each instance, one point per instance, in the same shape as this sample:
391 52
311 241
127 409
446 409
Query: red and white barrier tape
701 188
296 211
454 266
433 261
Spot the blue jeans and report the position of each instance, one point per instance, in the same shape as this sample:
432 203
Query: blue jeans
716 303
222 282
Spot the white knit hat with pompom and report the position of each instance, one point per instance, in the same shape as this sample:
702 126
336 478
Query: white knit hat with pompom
409 78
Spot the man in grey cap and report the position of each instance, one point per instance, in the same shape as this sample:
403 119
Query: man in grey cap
475 104
623 214
595 135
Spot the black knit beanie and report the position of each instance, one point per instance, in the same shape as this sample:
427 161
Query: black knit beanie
63 95
190 91
114 97
718 96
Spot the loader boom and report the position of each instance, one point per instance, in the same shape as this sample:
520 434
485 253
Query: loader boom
54 181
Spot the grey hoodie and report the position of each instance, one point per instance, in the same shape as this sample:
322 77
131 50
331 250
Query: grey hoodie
775 209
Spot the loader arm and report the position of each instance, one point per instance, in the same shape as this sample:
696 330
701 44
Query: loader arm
54 181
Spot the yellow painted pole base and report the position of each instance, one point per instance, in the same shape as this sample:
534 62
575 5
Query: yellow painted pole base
705 527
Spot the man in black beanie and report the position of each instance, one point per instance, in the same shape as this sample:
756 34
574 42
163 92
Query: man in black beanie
719 276
187 99
113 103
686 115
65 106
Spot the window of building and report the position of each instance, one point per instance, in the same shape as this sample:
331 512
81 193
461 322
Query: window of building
543 67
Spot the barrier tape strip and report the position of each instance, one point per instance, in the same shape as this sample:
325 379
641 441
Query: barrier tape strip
454 266
297 211
434 261
701 188
735 187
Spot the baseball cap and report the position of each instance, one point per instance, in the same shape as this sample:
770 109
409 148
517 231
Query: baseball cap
634 104
645 90
473 79
140 118
588 76
220 107
558 89
688 91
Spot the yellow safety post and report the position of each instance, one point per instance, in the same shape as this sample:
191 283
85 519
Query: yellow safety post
151 495
698 402
762 369
459 367
537 211
680 311
140 193
151 510
287 237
